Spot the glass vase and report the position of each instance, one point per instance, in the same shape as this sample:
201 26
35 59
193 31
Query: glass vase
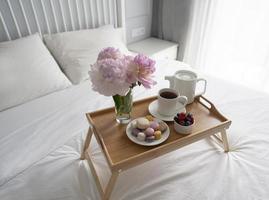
123 107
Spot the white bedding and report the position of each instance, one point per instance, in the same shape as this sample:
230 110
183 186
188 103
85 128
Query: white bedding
40 144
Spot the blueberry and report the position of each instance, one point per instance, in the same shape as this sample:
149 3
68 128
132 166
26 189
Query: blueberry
187 123
188 118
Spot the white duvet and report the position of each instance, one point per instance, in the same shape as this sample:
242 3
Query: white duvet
40 144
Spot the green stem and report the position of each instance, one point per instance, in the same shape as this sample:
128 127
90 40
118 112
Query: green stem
123 104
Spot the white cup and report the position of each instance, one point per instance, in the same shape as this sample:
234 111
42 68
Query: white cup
169 105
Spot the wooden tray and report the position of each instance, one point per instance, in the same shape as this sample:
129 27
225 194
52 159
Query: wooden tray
122 154
119 150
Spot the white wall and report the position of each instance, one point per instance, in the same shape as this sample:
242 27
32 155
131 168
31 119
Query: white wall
138 15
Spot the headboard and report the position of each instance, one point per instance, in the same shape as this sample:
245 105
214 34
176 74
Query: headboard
19 18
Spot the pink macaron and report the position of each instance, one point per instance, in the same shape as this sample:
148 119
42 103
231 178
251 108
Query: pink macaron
149 132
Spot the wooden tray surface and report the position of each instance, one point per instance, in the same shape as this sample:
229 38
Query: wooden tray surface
119 149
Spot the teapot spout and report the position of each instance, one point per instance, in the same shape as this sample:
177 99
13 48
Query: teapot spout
171 80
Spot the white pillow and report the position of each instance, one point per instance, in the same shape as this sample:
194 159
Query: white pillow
75 51
27 71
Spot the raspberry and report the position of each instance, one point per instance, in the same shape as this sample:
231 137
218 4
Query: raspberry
181 116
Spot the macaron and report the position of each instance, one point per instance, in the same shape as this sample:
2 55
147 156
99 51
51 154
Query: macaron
158 135
141 136
142 123
134 124
135 132
162 127
150 139
149 132
154 125
149 117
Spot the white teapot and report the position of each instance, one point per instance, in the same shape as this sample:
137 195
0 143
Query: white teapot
184 81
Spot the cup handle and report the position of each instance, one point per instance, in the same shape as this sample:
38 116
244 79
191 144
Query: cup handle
205 84
183 100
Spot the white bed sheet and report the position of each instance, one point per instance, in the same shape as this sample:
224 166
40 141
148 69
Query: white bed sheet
40 144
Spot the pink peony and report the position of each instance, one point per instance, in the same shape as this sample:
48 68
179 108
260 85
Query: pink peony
145 69
108 77
110 52
132 70
113 73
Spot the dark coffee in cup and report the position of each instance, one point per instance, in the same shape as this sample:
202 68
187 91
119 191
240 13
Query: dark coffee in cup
170 101
168 95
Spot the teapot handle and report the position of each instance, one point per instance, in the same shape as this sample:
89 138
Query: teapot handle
204 90
183 100
171 80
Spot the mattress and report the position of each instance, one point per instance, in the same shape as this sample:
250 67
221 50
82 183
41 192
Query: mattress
40 144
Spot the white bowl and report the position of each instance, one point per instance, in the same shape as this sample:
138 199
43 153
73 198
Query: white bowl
183 129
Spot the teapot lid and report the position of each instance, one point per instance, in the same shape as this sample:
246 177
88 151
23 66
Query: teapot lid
185 75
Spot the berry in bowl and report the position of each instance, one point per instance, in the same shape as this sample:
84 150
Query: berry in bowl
183 123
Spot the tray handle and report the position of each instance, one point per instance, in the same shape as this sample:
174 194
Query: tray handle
206 103
210 106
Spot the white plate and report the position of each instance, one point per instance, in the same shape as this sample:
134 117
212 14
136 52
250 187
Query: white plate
164 137
153 109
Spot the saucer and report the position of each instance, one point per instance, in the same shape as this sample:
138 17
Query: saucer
153 109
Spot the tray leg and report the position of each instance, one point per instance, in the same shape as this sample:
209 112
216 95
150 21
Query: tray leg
224 140
86 144
110 185
95 175
105 192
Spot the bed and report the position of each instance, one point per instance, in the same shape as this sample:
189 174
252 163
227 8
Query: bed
41 142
